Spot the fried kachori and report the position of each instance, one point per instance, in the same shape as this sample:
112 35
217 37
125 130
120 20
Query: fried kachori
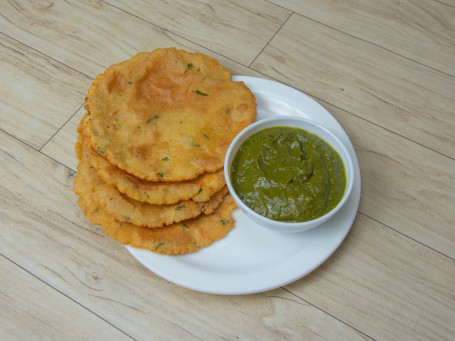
151 150
153 192
182 237
167 115
136 212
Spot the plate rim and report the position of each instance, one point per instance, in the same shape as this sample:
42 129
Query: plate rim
142 255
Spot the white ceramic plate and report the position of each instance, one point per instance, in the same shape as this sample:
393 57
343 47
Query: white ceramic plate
251 258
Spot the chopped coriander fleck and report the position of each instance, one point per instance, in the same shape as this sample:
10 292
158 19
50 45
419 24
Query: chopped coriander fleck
186 226
158 245
160 175
200 93
130 82
188 67
224 222
95 211
108 126
178 208
146 194
165 159
126 218
196 145
100 150
154 117
205 135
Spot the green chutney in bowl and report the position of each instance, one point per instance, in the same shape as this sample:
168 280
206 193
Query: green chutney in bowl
287 173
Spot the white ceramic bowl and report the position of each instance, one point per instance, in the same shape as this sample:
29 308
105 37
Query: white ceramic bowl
297 122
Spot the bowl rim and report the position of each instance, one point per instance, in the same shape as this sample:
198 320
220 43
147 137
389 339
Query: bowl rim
247 131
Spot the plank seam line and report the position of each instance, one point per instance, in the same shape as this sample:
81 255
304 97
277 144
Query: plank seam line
376 45
176 34
443 3
58 130
18 139
325 312
57 161
360 117
278 5
389 130
26 144
405 235
270 40
68 297
47 56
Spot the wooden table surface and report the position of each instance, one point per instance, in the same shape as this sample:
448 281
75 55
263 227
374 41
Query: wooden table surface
384 69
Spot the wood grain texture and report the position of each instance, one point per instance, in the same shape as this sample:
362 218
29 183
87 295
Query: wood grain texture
447 2
38 94
100 275
394 171
61 146
245 26
421 30
86 35
388 90
384 69
385 284
24 316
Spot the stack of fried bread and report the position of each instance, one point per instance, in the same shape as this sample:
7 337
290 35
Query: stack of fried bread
151 150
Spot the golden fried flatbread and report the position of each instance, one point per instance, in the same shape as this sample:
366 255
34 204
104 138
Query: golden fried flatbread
139 213
167 115
183 237
153 192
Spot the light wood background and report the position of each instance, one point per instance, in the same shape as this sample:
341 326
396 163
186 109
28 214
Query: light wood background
385 70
